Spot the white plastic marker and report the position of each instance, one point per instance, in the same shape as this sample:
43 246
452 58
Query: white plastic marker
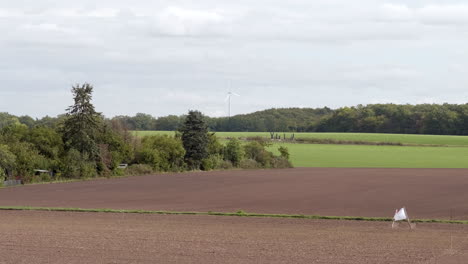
401 215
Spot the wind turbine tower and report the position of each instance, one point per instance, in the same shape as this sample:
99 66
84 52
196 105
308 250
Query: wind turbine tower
228 98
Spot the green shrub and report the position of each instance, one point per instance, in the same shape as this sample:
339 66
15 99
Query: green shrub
32 178
249 164
29 178
280 162
139 169
256 151
2 173
253 149
234 152
162 153
284 152
212 162
214 146
7 159
261 140
148 156
103 170
76 165
119 172
45 177
88 170
206 164
27 159
225 165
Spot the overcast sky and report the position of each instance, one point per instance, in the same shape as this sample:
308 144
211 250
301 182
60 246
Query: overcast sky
166 57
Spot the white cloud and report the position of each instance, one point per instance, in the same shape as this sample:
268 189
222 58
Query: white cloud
184 97
180 21
396 12
426 14
61 12
42 27
444 14
380 73
10 13
103 13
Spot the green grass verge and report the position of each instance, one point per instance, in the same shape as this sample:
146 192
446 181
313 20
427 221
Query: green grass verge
365 137
364 156
238 214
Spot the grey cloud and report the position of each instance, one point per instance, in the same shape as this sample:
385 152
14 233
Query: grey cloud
165 57
432 14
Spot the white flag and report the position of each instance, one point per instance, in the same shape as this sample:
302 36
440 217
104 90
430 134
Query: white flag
400 215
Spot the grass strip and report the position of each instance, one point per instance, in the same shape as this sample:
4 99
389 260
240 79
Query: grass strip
238 214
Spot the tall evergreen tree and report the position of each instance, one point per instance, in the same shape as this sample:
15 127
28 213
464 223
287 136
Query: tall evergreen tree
82 123
195 139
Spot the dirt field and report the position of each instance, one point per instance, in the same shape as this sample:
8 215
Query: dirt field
58 237
427 193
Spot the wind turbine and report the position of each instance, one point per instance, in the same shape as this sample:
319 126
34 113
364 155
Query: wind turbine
228 98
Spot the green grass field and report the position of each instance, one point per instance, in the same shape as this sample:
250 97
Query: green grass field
454 154
348 156
369 137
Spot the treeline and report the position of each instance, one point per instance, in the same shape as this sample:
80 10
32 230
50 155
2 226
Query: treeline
7 119
438 119
82 143
285 120
445 119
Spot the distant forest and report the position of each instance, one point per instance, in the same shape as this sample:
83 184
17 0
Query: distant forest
445 119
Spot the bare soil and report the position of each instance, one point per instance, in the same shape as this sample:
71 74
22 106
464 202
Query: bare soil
62 237
427 193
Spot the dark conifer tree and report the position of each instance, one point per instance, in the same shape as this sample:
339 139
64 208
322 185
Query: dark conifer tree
82 123
195 138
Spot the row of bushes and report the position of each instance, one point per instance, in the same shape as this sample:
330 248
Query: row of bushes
23 150
164 153
84 144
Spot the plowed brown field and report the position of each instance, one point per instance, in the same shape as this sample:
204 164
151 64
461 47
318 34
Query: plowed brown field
58 237
427 193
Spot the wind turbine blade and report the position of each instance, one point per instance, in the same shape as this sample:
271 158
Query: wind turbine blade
235 94
227 97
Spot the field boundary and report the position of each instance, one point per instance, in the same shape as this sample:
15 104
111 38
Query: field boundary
331 141
238 214
348 139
